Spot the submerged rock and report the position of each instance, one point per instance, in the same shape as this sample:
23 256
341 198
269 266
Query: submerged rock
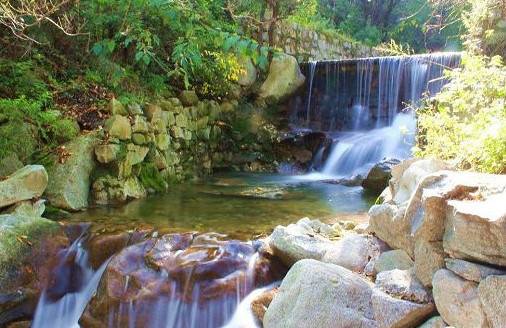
173 274
24 184
317 294
69 182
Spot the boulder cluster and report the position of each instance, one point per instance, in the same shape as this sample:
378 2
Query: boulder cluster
433 255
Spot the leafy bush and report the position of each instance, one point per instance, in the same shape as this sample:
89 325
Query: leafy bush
466 122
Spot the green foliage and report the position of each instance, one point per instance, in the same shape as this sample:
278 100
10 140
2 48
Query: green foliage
25 123
150 177
22 79
466 122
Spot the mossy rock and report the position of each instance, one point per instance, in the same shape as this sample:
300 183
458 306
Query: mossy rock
20 139
20 237
188 97
69 182
9 164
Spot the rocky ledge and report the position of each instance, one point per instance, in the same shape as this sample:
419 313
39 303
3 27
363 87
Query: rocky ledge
433 255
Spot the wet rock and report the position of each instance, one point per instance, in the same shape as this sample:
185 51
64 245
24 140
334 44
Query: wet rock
378 177
284 78
472 271
492 290
429 257
404 285
299 241
119 127
116 108
188 98
352 252
184 269
434 322
28 249
69 182
395 259
457 300
260 304
107 153
26 183
317 294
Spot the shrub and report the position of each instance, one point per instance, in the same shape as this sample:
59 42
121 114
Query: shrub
466 122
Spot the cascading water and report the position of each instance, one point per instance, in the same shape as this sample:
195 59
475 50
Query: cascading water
366 106
62 305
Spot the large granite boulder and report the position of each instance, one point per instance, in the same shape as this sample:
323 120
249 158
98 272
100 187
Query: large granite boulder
457 300
429 257
69 181
26 183
317 294
284 78
476 228
353 252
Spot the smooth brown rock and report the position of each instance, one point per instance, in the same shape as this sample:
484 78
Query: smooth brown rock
429 257
492 291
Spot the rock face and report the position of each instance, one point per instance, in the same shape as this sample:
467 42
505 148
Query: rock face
378 177
457 300
26 183
317 294
429 257
492 290
284 78
395 259
69 182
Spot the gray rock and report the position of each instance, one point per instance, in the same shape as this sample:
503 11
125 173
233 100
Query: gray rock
457 300
476 229
26 183
298 241
404 285
492 291
395 259
69 182
434 322
352 252
471 271
119 127
284 78
316 294
107 153
429 257
379 175
388 224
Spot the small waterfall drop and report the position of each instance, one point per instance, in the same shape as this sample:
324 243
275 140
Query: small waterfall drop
367 106
62 305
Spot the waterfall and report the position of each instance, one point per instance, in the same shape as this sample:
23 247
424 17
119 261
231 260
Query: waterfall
367 106
74 286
